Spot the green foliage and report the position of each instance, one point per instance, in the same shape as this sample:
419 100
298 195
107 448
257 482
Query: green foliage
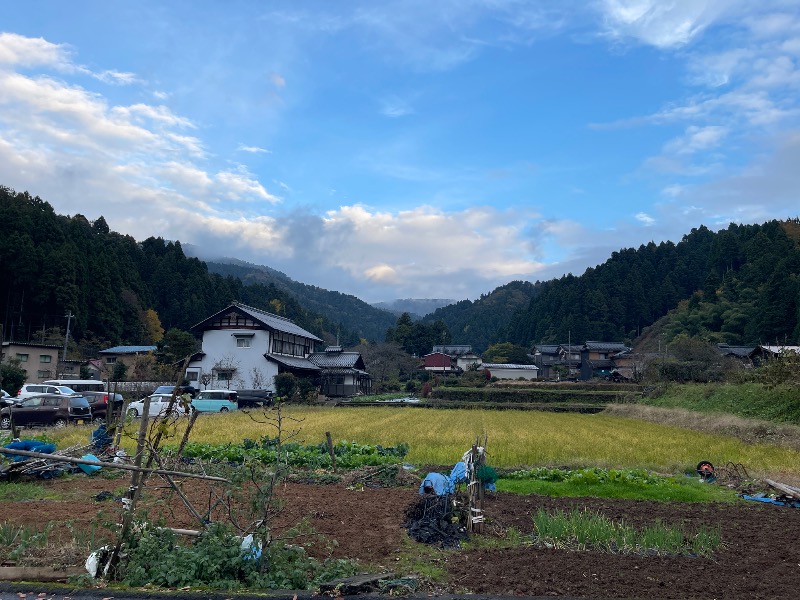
612 483
506 353
306 389
16 540
216 560
120 371
349 455
285 386
12 376
584 529
418 338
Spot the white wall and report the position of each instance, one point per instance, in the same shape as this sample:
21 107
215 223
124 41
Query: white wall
514 373
220 348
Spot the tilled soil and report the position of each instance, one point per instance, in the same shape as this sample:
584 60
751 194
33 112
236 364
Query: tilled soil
760 557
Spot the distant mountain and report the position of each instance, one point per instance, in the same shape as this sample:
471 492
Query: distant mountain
354 315
416 307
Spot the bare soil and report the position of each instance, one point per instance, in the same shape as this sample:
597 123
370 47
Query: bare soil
760 557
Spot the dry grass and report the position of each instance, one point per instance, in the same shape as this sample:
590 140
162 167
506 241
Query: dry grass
751 431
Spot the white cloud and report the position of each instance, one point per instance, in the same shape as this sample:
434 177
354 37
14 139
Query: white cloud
644 219
659 23
241 185
20 51
696 139
253 149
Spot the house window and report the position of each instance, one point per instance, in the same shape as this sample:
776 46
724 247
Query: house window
191 375
22 357
110 360
44 374
243 342
225 375
45 358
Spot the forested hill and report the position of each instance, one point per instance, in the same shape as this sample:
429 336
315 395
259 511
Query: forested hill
113 286
738 286
485 321
348 311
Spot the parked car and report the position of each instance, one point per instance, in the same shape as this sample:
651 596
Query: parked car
169 389
37 389
47 409
6 399
255 398
215 401
95 392
158 406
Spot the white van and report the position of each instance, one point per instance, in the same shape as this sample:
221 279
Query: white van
79 385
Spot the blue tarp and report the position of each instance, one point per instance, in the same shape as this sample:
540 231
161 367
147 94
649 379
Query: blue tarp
441 485
30 446
793 503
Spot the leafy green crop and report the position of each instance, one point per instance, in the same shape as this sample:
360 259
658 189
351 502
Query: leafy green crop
349 455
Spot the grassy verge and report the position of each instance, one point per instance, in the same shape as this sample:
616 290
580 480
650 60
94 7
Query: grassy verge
16 491
776 404
611 483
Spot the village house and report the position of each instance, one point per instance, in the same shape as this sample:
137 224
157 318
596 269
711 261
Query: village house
438 362
511 371
126 355
245 348
597 358
39 361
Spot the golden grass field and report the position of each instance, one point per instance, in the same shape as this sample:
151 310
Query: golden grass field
515 438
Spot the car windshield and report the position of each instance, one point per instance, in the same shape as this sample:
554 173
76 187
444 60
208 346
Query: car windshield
79 402
62 389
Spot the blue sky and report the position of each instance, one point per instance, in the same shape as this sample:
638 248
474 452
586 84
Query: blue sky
432 149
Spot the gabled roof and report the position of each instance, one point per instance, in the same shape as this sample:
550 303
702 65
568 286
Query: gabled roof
329 360
128 350
606 346
740 351
268 320
547 348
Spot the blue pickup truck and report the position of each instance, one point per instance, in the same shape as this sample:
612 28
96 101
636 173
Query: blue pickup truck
216 401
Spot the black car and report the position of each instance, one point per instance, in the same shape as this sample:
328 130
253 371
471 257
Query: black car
169 389
48 410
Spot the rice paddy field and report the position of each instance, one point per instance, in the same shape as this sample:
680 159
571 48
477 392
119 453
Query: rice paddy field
515 438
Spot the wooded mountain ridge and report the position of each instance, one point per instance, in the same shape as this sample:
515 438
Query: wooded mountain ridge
740 285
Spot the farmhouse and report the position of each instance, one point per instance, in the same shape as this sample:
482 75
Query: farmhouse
438 362
245 347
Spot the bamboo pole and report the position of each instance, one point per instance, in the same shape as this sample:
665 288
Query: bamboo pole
100 463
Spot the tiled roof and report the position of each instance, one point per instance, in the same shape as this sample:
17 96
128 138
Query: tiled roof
334 359
293 362
269 320
128 350
606 346
740 351
508 366
602 363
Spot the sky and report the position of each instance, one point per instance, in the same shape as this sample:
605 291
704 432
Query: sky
405 149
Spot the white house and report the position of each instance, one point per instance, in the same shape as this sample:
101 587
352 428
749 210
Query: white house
512 371
245 347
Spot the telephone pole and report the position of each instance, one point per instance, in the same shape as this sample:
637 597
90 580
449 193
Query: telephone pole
66 339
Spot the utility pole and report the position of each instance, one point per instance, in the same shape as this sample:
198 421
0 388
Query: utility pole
66 339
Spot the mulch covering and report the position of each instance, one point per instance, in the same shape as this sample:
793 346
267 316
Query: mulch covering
432 520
